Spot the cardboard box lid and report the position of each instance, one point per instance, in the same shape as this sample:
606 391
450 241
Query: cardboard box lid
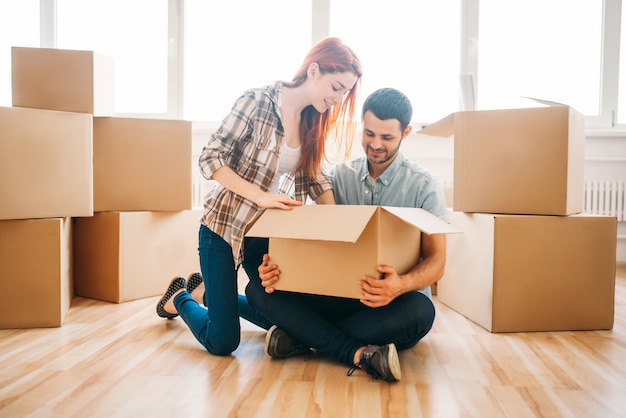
343 223
445 127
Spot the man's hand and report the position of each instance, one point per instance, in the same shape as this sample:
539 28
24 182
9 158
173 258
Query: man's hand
268 273
381 292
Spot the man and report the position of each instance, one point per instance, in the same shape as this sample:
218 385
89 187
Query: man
393 313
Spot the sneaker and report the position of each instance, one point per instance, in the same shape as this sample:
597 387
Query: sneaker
380 362
278 344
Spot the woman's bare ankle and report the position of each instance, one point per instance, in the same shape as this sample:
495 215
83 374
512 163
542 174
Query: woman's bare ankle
169 305
198 293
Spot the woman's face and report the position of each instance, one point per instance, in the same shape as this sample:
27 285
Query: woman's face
330 89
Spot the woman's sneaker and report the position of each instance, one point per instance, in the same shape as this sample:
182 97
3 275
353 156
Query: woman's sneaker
278 344
380 362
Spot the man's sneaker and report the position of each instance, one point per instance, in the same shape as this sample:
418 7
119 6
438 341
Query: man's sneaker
278 344
380 362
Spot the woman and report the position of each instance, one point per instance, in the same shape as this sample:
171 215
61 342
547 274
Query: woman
267 153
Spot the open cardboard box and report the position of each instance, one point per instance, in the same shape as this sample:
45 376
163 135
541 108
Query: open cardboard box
326 249
517 161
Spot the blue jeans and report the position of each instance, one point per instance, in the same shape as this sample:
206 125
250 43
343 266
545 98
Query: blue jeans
338 327
217 326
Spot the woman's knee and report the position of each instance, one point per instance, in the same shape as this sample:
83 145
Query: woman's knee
223 346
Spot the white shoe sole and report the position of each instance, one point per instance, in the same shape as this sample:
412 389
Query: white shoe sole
394 361
268 337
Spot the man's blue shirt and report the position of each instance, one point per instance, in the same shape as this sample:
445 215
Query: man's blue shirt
404 183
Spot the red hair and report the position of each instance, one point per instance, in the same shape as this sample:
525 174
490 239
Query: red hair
332 56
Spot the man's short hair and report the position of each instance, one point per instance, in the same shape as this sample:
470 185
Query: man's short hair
388 103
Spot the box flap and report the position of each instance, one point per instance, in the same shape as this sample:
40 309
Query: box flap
422 219
443 127
544 102
314 222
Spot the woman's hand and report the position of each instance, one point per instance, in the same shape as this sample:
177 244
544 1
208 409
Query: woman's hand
233 182
277 201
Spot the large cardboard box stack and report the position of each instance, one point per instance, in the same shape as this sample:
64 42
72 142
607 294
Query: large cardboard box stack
144 231
528 258
325 249
46 177
48 154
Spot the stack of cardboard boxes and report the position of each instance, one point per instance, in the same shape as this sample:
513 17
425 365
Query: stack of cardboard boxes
91 205
528 258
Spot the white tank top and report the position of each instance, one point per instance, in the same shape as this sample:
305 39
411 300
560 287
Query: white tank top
288 159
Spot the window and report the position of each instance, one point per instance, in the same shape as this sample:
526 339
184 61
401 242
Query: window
194 65
234 45
19 26
544 49
411 46
134 34
621 114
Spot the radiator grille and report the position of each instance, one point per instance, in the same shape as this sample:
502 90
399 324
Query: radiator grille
606 197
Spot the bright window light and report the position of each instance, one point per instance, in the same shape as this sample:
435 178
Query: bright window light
621 110
542 49
234 45
134 34
413 46
19 26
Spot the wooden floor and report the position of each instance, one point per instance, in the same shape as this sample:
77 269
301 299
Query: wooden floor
111 360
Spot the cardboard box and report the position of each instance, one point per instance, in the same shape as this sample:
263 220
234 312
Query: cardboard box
326 249
35 272
66 80
142 165
521 273
123 256
46 164
517 161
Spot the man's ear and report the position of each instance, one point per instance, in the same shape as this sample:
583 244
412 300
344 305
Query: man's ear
407 131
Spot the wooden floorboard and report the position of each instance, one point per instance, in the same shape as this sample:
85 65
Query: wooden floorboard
121 360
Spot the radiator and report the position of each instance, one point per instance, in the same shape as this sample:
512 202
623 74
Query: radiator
606 197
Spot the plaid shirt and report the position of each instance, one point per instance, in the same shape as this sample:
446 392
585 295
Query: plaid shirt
248 141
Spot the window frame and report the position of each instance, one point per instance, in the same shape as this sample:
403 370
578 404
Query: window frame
606 120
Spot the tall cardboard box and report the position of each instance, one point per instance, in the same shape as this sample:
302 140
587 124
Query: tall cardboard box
142 165
517 161
66 80
326 249
35 272
517 273
123 256
46 164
